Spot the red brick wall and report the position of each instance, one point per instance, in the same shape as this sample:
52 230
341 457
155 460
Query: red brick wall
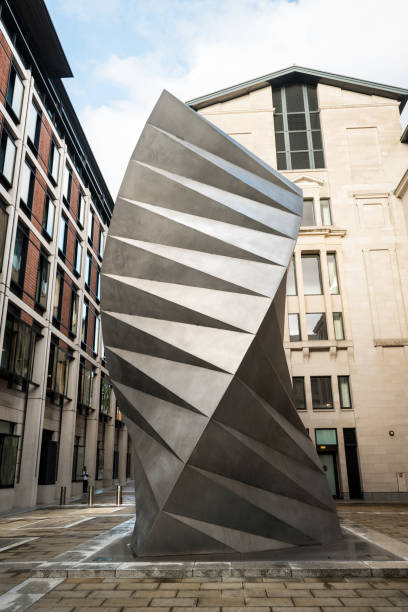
31 271
38 202
5 62
44 146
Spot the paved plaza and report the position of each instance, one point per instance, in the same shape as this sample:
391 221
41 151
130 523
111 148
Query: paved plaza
56 537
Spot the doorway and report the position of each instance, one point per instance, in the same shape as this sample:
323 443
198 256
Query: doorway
330 467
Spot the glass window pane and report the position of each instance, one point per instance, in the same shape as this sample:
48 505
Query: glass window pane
277 99
291 284
78 257
3 233
9 159
25 183
299 392
344 392
280 142
326 436
322 398
90 224
62 235
314 121
317 140
300 161
81 209
312 284
338 325
32 124
8 459
57 295
308 217
312 97
316 326
96 335
297 122
294 327
278 119
50 214
19 256
332 269
74 312
318 159
281 161
294 98
298 141
325 211
55 161
67 184
17 99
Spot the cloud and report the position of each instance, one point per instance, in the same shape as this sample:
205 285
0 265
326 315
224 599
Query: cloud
199 46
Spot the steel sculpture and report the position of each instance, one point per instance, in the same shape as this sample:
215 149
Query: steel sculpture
193 298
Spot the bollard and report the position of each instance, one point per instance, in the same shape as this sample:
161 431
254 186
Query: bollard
118 495
91 492
63 496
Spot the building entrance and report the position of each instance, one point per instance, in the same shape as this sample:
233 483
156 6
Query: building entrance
329 465
326 443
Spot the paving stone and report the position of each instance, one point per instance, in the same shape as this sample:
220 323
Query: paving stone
336 593
219 585
349 609
298 609
269 601
180 602
317 601
90 586
211 609
399 601
246 609
378 592
142 609
77 603
135 603
365 601
110 594
289 592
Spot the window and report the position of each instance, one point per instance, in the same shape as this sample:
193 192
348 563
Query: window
58 294
96 335
73 314
8 454
291 284
78 257
308 213
7 157
78 460
63 235
90 226
344 392
41 290
53 164
101 243
85 389
27 186
58 368
312 280
106 389
298 137
67 186
322 397
316 326
84 322
49 215
98 284
81 209
3 233
88 270
19 260
19 348
15 92
338 325
325 211
299 392
294 327
34 127
327 437
332 269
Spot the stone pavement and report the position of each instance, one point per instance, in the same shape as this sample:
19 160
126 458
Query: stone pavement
29 538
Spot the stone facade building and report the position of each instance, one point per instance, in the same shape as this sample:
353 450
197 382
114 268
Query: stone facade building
57 410
339 139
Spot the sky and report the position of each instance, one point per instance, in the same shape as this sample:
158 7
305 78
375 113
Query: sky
123 53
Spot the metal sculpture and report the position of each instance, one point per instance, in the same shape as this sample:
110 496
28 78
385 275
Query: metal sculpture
193 297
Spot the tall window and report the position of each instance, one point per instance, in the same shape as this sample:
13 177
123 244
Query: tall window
316 326
85 386
58 368
27 186
63 235
312 280
96 335
84 322
41 289
19 260
98 284
81 209
73 313
53 163
297 127
308 217
322 397
78 257
338 325
325 211
3 233
15 92
67 186
58 296
294 327
291 284
299 392
18 353
332 269
7 157
106 389
344 392
78 459
91 223
34 127
8 454
49 215
101 243
88 270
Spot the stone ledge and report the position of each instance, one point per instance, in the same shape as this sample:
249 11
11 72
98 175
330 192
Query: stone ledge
235 569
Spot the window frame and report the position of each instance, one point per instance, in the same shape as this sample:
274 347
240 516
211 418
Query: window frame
341 319
330 387
34 144
346 377
298 379
299 334
316 256
11 84
7 136
322 314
